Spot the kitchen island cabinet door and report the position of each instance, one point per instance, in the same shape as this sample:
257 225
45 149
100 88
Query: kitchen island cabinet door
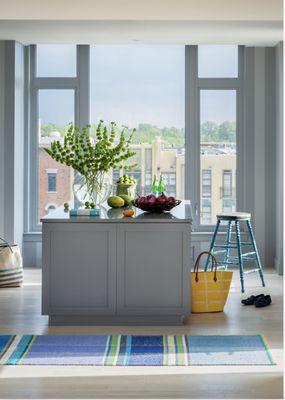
79 269
153 269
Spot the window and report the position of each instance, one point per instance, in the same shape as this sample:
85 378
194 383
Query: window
148 169
227 189
206 216
229 205
143 87
217 146
56 110
218 61
206 183
56 60
169 179
51 182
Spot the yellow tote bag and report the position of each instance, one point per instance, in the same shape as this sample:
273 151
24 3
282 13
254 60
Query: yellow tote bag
210 289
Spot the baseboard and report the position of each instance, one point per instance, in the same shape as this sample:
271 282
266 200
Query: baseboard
81 320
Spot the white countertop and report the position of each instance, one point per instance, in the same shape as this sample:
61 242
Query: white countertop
181 213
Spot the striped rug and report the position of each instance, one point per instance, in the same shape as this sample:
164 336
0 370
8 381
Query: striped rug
116 350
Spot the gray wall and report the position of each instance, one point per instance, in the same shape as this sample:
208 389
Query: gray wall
12 141
263 161
279 159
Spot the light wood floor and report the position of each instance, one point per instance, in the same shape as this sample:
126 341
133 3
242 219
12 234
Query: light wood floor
20 314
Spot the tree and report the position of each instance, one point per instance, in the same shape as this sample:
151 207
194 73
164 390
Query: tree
209 131
171 136
47 129
227 131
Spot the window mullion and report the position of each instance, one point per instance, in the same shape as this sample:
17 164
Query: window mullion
82 97
192 140
55 83
33 224
218 83
240 140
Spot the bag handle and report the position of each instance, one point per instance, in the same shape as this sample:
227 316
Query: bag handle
214 265
5 242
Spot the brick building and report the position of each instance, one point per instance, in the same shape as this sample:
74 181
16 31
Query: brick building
55 180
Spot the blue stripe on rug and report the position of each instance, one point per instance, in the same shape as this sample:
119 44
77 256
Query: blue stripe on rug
20 350
134 350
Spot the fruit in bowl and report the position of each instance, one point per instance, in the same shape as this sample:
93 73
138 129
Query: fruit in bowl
126 185
171 199
150 199
154 204
162 198
127 180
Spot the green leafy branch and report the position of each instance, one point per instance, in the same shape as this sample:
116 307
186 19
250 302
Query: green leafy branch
94 158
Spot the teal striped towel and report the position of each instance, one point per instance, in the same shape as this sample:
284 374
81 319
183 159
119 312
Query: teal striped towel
89 212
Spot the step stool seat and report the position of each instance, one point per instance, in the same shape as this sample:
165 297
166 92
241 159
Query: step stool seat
234 216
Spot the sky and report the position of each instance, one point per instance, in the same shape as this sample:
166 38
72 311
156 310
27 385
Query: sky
133 84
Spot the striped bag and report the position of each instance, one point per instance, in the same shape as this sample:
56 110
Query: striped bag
11 265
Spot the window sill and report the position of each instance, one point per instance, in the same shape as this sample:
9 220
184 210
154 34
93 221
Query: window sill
32 237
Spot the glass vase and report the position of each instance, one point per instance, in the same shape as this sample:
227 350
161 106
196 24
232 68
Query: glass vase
95 189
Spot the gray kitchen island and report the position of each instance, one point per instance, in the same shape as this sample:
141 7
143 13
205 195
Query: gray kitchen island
111 270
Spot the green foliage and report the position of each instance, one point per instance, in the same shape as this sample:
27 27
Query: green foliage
211 132
46 130
171 136
147 133
79 152
227 132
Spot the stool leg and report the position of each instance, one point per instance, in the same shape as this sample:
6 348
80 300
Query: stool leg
256 251
212 244
228 239
239 255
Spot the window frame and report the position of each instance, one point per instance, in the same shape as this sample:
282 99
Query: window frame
81 86
193 87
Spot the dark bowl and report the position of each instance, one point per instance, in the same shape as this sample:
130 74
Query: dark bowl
157 208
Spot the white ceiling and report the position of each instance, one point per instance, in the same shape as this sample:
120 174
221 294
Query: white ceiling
150 32
248 22
163 10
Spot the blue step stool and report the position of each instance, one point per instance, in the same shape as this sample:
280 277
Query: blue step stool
234 219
